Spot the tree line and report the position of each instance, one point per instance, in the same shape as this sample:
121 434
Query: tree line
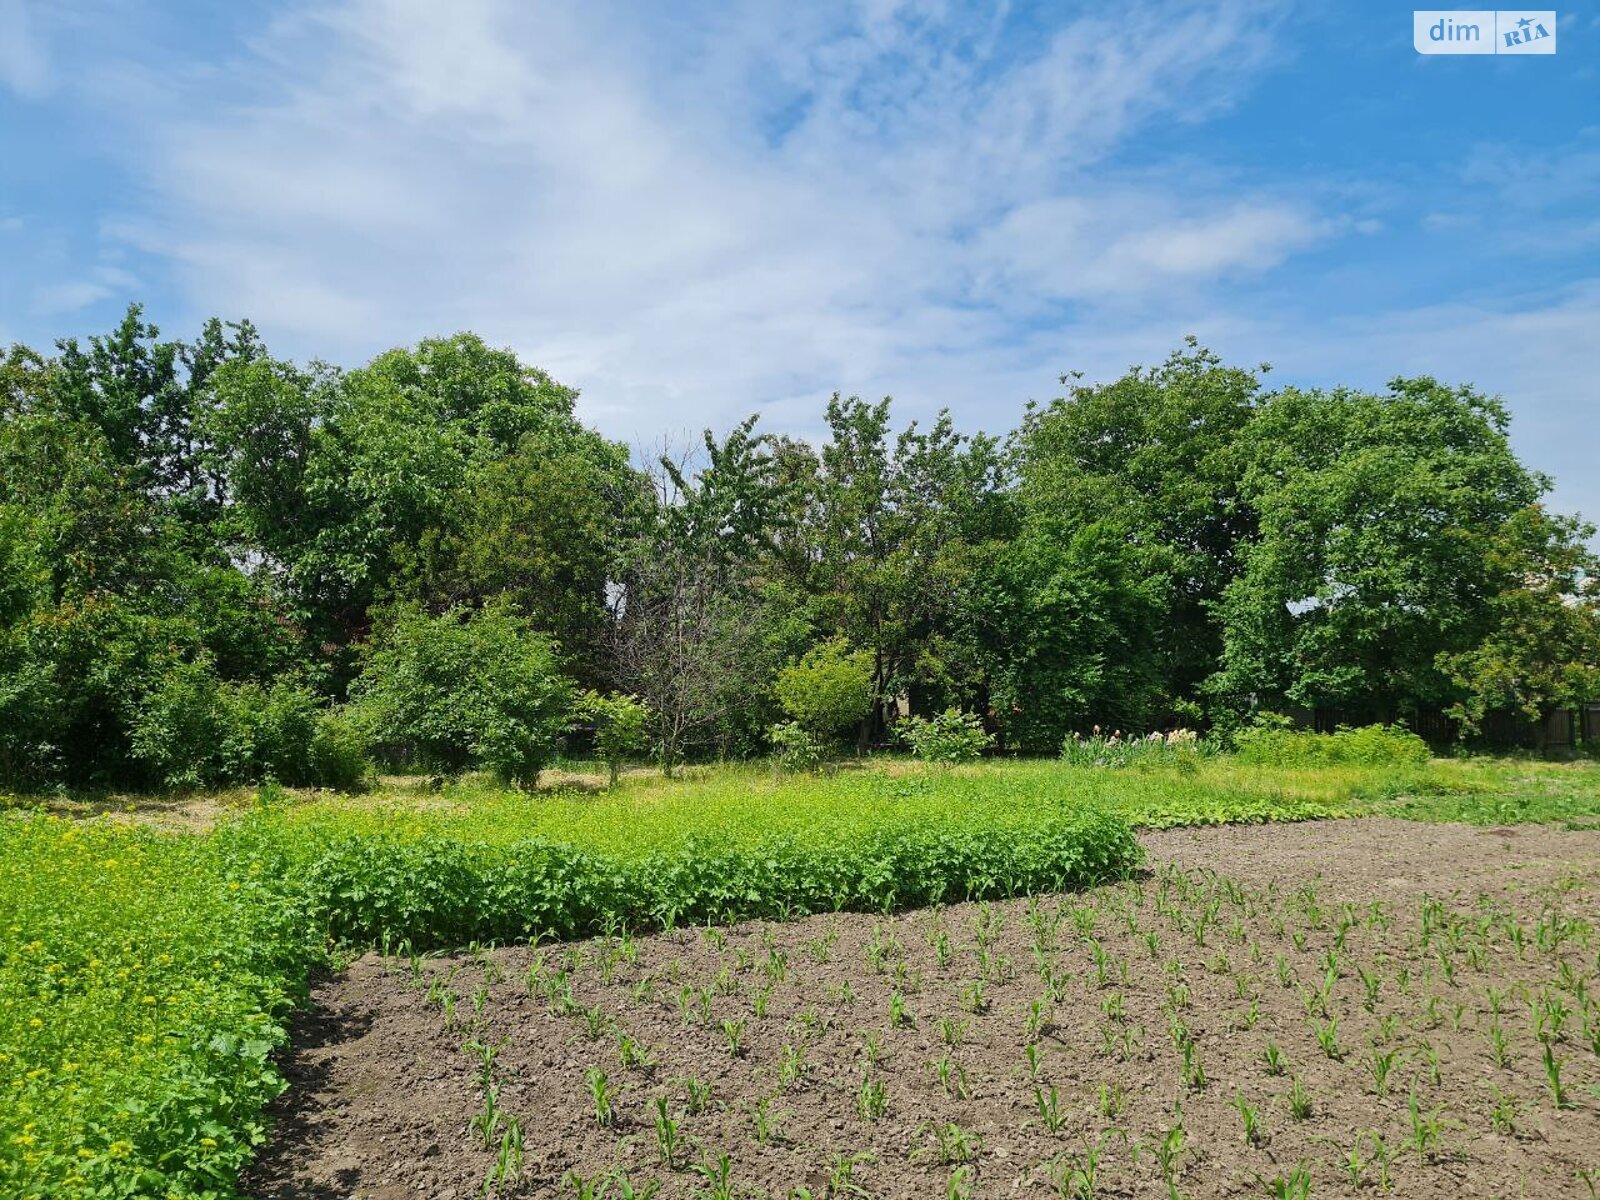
217 565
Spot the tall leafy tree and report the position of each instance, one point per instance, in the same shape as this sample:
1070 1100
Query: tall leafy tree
1540 652
1379 516
1153 460
886 546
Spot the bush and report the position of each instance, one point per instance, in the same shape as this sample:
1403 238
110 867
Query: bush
619 727
340 755
194 731
190 732
1370 745
465 689
950 737
829 690
798 750
859 849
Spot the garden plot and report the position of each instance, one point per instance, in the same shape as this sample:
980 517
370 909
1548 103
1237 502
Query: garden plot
1358 1009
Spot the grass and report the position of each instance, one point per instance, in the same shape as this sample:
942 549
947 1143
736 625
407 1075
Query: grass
145 973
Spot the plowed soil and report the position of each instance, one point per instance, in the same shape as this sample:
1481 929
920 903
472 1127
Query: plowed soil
1446 959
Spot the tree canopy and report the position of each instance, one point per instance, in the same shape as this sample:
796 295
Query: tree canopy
218 565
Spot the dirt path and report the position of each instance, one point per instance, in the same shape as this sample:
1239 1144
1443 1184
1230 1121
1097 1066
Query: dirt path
382 1093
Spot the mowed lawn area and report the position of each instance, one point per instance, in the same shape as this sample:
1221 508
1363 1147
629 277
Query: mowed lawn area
151 956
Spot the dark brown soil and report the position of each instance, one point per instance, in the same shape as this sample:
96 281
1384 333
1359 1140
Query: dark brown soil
386 1082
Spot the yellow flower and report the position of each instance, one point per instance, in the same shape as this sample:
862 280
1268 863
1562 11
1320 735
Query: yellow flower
35 1023
23 1139
208 1142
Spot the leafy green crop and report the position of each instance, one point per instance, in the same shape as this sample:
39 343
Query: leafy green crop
143 979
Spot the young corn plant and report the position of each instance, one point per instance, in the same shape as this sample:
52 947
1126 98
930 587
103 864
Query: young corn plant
1169 1158
1382 1065
1296 1185
1274 1060
791 1064
488 1119
718 1176
951 1145
1552 1074
507 1166
899 1014
1299 1100
1327 1033
669 1138
872 1097
952 1077
601 1094
767 1124
1050 1110
1076 1176
1033 1058
697 1095
1250 1119
1427 1125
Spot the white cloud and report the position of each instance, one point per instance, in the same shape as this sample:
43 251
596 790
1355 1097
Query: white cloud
24 66
68 296
691 220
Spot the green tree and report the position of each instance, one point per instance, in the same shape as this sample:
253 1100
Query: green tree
693 634
829 690
464 689
1379 515
884 544
1153 461
1541 650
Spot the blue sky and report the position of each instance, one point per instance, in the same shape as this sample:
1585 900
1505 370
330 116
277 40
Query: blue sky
693 212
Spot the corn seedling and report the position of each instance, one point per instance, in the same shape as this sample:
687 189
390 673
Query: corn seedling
1299 1100
1552 1074
872 1098
697 1095
1049 1106
1249 1118
718 1176
601 1093
1296 1185
952 1077
669 1140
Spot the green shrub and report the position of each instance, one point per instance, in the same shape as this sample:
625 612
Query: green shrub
340 754
437 888
798 749
194 730
465 689
829 690
949 737
1370 745
620 727
190 730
